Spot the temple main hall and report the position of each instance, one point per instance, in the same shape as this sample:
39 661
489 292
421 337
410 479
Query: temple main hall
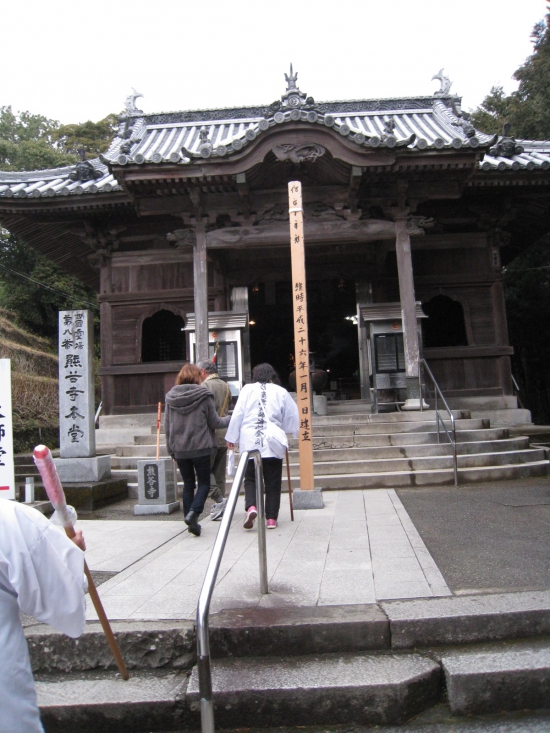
182 227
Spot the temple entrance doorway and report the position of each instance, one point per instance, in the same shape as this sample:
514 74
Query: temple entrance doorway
332 329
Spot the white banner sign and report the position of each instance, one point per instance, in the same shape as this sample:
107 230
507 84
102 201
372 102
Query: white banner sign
7 478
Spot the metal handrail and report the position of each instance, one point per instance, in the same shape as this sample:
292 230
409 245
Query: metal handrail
516 387
203 608
452 436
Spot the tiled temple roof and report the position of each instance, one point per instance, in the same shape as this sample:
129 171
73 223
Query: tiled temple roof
415 125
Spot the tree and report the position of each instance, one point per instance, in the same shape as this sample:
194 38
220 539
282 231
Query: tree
35 288
493 112
527 108
527 277
30 285
27 142
93 137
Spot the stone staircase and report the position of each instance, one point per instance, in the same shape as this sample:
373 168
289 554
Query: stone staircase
355 449
434 660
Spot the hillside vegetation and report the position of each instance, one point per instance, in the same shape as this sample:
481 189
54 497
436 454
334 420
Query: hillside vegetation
34 370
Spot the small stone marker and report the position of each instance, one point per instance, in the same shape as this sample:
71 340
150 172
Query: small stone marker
29 490
156 487
7 475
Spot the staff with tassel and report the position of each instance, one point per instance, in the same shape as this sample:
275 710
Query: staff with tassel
44 462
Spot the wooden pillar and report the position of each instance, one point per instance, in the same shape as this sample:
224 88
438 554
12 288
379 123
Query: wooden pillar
106 335
408 312
200 272
301 338
363 296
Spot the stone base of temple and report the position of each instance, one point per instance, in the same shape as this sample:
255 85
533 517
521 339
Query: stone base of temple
88 496
173 506
94 468
414 404
312 499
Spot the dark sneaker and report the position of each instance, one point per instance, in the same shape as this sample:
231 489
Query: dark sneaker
217 510
192 522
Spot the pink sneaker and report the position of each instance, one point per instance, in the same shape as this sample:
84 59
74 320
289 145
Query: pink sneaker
251 515
271 523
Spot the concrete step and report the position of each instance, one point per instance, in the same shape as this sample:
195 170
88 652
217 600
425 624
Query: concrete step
400 439
494 681
435 477
388 417
376 428
427 623
373 453
144 703
346 437
494 651
319 690
424 463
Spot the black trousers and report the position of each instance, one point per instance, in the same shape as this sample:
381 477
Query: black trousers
273 471
188 467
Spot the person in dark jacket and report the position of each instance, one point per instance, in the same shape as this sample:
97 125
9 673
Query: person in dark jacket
190 423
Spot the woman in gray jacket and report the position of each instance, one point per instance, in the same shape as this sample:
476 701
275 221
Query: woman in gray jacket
190 421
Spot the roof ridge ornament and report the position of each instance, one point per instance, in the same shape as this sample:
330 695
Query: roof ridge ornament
130 103
84 170
293 98
506 147
445 84
291 80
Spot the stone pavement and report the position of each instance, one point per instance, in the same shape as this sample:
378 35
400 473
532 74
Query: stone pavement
361 548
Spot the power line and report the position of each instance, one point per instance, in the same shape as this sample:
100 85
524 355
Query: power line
49 287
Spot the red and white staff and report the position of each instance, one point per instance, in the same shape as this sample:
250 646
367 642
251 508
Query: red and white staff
67 517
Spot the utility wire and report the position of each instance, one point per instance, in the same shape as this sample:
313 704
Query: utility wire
49 287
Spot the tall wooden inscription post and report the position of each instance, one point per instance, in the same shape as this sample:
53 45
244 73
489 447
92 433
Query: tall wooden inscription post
306 497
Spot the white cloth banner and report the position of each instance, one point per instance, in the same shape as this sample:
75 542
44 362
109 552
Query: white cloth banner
7 478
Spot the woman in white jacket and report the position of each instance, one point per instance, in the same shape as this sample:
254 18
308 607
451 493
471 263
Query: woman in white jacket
262 405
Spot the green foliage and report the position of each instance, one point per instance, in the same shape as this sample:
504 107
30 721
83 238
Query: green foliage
527 108
93 137
527 288
493 112
532 99
40 290
33 142
27 142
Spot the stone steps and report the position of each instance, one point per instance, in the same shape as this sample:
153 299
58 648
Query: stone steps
389 418
320 690
365 664
423 463
434 477
356 449
147 449
325 471
388 451
491 681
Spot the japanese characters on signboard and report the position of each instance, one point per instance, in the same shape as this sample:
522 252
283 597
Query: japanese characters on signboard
7 479
300 316
76 397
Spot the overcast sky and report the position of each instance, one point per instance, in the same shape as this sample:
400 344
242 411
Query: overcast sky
74 60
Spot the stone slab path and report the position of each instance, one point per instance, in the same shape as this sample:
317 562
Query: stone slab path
361 548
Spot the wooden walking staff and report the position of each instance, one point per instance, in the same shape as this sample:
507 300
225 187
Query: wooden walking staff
289 488
159 413
44 462
301 341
